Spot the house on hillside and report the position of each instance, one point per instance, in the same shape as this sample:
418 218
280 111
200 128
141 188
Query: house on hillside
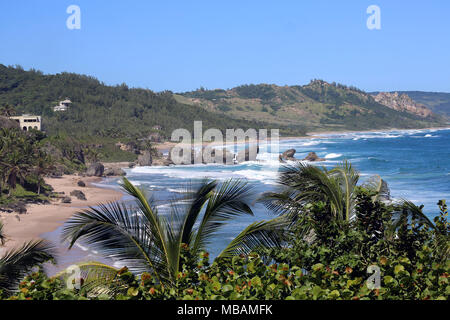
63 105
28 122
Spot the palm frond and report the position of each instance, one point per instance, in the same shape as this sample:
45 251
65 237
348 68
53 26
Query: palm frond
231 199
198 199
120 234
412 211
155 225
95 279
281 202
267 234
16 263
378 186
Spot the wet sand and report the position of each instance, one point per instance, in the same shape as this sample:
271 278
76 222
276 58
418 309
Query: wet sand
45 221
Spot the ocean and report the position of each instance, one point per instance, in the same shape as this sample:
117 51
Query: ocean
414 163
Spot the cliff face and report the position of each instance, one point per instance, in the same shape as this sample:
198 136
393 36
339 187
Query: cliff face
402 102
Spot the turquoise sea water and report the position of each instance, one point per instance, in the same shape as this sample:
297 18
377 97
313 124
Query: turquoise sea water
415 163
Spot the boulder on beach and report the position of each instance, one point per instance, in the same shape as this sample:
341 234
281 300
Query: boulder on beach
66 200
81 184
162 162
115 172
145 159
95 170
288 155
19 207
313 157
78 194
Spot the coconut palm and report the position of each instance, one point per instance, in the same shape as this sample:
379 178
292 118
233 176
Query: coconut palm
16 157
148 241
43 165
304 184
16 263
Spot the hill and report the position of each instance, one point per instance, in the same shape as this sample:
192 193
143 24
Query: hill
107 112
403 102
438 102
318 106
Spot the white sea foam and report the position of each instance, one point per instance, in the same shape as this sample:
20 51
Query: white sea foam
176 190
311 143
333 156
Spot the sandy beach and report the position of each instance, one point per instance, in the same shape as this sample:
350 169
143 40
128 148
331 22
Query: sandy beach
41 219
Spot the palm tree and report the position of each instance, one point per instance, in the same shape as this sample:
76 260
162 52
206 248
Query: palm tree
92 154
16 263
147 241
15 169
17 155
43 165
304 184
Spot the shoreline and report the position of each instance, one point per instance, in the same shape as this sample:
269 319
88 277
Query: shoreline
45 218
166 146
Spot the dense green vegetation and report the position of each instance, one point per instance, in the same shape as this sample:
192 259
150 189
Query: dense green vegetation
23 164
101 112
318 106
327 233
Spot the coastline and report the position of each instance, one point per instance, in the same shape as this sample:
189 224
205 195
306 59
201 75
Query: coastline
48 218
166 146
45 218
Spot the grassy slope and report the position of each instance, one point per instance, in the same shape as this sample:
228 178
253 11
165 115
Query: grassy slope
318 106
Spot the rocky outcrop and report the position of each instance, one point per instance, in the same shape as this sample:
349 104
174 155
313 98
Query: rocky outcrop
162 162
19 207
402 103
288 155
95 170
66 200
78 194
81 184
313 157
115 172
145 159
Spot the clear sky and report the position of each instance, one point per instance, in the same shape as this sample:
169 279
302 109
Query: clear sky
182 45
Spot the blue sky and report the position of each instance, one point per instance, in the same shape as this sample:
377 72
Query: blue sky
182 45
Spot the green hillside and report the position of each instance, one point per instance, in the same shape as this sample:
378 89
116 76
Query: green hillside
107 112
318 106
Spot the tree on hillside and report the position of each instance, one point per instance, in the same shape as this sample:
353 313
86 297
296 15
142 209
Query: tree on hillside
7 110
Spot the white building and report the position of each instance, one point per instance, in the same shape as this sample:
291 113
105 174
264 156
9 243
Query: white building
28 122
63 106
